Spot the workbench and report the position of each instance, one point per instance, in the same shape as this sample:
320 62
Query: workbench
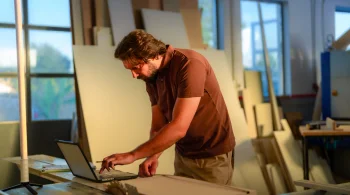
307 134
158 184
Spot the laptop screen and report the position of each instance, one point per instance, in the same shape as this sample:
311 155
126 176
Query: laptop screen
76 160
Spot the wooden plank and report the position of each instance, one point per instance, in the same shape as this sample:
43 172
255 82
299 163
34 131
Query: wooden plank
252 80
138 5
102 18
291 152
342 42
249 113
171 5
121 14
174 34
305 132
108 109
166 184
192 20
245 157
177 5
103 36
263 115
322 186
86 6
67 188
275 113
287 178
276 179
76 12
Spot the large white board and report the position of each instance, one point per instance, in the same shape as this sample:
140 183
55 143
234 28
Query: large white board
167 26
122 18
115 106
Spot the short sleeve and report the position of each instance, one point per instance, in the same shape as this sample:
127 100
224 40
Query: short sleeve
152 93
191 79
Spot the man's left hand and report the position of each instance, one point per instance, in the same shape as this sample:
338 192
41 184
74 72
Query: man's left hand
117 159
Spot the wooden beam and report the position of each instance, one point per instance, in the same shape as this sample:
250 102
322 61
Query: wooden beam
275 112
342 42
322 186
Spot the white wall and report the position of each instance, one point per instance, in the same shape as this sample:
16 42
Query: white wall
327 26
232 39
302 68
306 35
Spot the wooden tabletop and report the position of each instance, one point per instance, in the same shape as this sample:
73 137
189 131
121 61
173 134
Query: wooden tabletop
158 184
315 132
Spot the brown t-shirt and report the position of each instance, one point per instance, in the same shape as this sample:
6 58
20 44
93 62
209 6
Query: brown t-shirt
184 74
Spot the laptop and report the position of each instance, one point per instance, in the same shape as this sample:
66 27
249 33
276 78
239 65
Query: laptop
80 166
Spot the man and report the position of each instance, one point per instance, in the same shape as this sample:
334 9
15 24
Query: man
188 110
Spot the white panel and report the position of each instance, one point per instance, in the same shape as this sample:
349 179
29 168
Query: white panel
245 157
340 64
340 104
116 107
122 18
263 115
167 26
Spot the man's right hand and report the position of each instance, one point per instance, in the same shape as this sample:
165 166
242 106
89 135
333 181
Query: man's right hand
148 167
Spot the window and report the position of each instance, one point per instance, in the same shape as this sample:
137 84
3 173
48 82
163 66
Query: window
252 49
48 43
209 22
342 18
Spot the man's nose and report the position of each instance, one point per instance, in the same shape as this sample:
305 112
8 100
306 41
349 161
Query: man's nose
134 74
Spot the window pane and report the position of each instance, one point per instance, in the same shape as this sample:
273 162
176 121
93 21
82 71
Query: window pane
7 11
252 49
49 13
209 26
8 52
52 98
52 51
9 109
341 24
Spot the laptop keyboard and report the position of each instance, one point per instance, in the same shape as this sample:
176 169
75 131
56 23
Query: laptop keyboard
112 174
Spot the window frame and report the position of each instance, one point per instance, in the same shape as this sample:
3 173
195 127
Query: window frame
29 75
284 50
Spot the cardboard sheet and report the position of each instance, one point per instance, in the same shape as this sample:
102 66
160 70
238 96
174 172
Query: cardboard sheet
157 23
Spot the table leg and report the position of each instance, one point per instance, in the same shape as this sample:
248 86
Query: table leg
305 160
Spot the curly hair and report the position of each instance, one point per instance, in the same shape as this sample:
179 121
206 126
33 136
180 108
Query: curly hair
139 46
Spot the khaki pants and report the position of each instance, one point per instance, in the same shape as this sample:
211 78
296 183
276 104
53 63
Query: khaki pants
217 169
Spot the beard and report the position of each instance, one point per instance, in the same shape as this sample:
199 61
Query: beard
152 72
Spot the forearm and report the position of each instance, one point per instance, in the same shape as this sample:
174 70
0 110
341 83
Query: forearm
152 134
162 140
